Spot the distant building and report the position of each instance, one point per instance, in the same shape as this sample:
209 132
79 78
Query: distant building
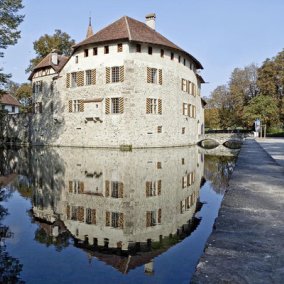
125 85
9 103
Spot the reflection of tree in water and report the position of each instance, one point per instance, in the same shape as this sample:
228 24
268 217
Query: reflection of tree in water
10 267
217 170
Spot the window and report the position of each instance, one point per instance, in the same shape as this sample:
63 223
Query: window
179 58
152 76
185 109
150 50
90 216
13 109
38 107
159 165
73 80
76 106
159 129
153 218
106 49
76 59
115 74
114 189
119 47
184 62
162 53
153 106
51 107
37 87
95 51
89 77
183 130
182 161
114 219
184 85
138 47
86 52
172 56
115 105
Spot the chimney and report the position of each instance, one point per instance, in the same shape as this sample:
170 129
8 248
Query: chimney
151 21
54 57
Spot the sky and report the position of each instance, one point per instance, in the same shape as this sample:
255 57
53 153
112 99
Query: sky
221 34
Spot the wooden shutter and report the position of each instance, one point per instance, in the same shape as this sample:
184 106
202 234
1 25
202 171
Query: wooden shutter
160 76
121 105
68 80
159 106
121 73
148 105
120 190
93 76
148 218
94 216
159 215
80 78
147 188
107 188
81 188
81 107
70 186
189 110
159 187
107 75
120 220
149 79
80 214
68 212
70 106
107 218
107 106
188 86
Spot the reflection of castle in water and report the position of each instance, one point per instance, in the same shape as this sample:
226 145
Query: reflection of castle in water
113 200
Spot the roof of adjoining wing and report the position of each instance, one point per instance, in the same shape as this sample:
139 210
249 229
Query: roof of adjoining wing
8 99
130 29
46 62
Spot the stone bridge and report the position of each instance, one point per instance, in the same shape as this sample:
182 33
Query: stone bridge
221 138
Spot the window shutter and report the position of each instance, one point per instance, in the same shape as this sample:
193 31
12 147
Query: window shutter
107 75
70 186
159 187
81 189
81 107
147 188
149 75
106 188
40 107
81 214
148 105
121 220
107 106
68 212
80 78
160 76
93 76
94 216
159 106
189 110
148 219
68 80
188 86
121 73
107 218
121 105
70 106
159 215
120 190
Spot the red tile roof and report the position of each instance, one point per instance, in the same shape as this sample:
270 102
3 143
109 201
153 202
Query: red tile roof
132 30
8 99
46 62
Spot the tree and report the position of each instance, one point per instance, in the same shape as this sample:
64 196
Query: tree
9 35
60 41
24 96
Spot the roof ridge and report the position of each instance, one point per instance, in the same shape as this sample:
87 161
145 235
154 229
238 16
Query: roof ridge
128 28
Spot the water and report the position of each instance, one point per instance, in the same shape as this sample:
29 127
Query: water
105 216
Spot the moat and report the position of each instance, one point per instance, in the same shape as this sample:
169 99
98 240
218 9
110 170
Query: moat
71 215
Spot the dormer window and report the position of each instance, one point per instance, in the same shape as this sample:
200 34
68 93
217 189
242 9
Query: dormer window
86 52
106 49
138 47
95 51
150 50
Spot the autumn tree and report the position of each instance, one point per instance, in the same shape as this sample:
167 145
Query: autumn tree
60 41
24 96
9 33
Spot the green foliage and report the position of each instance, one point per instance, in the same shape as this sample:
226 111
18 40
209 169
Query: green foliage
9 33
24 96
60 41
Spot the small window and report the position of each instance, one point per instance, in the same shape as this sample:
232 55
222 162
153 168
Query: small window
159 129
13 109
184 85
106 49
76 59
184 62
115 105
51 107
182 161
119 47
138 47
76 106
179 58
183 130
73 80
159 165
172 56
95 51
86 52
154 75
88 77
115 74
150 50
162 53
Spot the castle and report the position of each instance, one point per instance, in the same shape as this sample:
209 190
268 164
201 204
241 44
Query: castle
124 85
